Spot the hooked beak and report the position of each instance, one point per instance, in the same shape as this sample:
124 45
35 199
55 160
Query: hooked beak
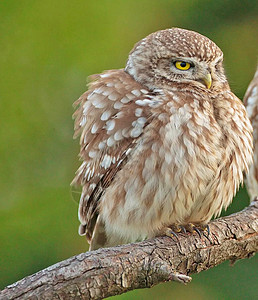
207 80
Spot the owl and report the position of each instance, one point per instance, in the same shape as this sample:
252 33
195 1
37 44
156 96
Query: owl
163 142
251 102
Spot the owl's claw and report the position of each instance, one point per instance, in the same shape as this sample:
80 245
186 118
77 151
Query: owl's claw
198 231
174 229
170 233
207 229
183 229
198 228
203 228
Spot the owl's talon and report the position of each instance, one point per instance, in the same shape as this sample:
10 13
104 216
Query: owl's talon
176 228
204 229
190 227
198 231
183 229
170 233
207 229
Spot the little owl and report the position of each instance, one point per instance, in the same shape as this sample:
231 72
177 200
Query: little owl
164 142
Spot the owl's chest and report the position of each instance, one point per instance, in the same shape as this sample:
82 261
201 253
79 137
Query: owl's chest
190 139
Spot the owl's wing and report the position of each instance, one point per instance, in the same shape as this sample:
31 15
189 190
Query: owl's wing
251 103
110 118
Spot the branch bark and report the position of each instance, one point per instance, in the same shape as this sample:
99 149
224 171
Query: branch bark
112 271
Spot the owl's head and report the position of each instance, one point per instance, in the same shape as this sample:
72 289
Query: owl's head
177 56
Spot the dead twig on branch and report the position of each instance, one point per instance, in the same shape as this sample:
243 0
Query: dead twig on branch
112 271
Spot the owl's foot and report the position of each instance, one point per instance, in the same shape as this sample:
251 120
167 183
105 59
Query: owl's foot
197 228
174 229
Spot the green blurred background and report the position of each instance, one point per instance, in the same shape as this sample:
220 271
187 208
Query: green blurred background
47 50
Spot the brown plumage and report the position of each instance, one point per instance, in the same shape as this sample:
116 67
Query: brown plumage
163 142
251 102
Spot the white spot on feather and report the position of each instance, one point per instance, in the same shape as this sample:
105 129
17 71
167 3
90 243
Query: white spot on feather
136 132
106 162
130 96
112 97
138 112
118 105
144 91
90 172
110 141
141 121
106 92
118 135
102 145
163 117
86 107
128 151
92 186
125 100
125 132
176 98
104 75
92 154
97 101
83 121
110 125
120 115
137 93
120 161
99 90
144 102
94 128
106 114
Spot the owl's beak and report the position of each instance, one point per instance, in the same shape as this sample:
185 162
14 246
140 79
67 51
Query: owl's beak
207 80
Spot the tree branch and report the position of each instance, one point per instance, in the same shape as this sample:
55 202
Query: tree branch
112 271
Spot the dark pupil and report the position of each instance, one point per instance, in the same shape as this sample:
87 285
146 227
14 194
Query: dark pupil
183 64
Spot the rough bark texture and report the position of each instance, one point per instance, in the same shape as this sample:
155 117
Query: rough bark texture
105 272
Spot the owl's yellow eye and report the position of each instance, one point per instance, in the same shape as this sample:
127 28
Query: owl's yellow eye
182 65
